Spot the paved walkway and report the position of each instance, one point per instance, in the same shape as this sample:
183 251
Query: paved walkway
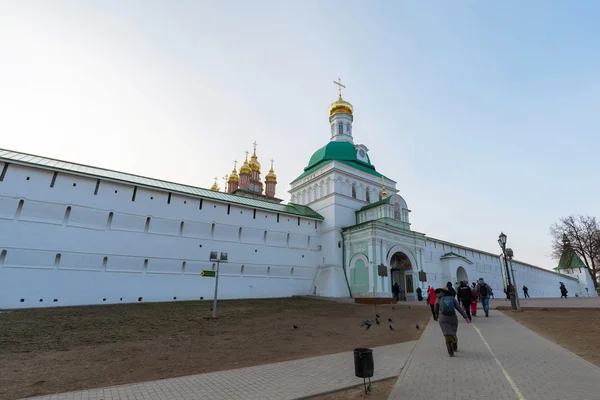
498 358
279 381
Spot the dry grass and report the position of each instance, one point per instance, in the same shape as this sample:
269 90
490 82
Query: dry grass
577 330
46 351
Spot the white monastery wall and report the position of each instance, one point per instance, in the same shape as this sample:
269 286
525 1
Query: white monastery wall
539 281
80 242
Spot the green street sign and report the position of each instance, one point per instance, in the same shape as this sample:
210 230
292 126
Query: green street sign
208 274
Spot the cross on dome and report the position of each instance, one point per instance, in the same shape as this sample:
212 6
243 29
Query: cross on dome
340 86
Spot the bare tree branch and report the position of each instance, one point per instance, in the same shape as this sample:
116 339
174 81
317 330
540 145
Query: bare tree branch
583 233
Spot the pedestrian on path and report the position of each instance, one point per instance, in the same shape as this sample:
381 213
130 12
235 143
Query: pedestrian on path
451 289
445 312
526 292
475 299
432 298
465 297
484 290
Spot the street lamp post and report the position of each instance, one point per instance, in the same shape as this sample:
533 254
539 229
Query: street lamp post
510 289
219 259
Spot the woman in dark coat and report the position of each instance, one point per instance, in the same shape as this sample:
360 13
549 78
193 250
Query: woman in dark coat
445 312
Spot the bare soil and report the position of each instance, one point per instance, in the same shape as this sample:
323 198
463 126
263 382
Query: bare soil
577 330
56 350
379 391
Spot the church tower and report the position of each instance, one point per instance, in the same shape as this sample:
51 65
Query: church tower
270 182
234 180
245 173
338 181
340 118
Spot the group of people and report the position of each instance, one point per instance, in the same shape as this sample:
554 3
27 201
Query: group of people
445 301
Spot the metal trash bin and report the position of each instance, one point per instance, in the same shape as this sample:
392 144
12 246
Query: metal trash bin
364 366
363 363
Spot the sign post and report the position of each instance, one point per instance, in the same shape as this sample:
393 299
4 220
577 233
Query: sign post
215 257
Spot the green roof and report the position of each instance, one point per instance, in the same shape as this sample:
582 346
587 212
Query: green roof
569 259
376 204
338 151
452 255
9 156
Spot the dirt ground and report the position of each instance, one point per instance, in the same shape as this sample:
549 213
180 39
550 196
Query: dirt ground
45 351
379 391
575 330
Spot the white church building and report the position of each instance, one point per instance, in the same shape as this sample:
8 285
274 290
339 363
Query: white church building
73 234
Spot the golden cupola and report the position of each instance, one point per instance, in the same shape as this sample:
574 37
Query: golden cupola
271 177
215 186
254 164
234 177
340 106
245 168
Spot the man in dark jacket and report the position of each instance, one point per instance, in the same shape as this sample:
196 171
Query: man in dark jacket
451 289
465 297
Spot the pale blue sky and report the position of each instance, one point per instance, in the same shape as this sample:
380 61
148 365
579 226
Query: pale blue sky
485 113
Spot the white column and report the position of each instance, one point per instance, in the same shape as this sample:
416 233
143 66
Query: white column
377 262
387 278
371 258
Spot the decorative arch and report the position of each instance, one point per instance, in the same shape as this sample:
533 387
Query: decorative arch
402 249
359 273
353 190
462 275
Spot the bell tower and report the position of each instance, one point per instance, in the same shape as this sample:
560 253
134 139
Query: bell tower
340 118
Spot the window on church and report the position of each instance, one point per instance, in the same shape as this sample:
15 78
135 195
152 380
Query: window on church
340 128
347 129
353 191
368 196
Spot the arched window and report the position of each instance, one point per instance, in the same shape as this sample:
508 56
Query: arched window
353 191
340 128
368 196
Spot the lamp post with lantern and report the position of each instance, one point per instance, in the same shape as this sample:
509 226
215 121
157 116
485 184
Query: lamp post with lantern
510 288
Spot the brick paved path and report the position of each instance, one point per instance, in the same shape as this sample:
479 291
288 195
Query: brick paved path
528 367
280 381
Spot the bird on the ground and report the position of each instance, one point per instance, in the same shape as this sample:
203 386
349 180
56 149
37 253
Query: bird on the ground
377 315
389 320
417 326
393 308
366 323
295 327
377 321
391 328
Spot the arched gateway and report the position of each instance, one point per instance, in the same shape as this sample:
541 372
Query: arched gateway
402 273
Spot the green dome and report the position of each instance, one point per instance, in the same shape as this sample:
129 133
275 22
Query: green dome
338 151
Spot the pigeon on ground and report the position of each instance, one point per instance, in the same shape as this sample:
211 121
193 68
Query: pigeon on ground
417 326
391 328
389 320
377 315
295 327
393 308
366 323
377 321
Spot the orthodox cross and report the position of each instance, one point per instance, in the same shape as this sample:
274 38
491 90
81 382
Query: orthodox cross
272 161
340 86
254 146
246 155
234 164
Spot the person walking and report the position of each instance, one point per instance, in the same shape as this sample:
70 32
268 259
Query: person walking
396 290
484 291
563 291
419 294
526 292
465 297
451 289
475 299
432 298
445 313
